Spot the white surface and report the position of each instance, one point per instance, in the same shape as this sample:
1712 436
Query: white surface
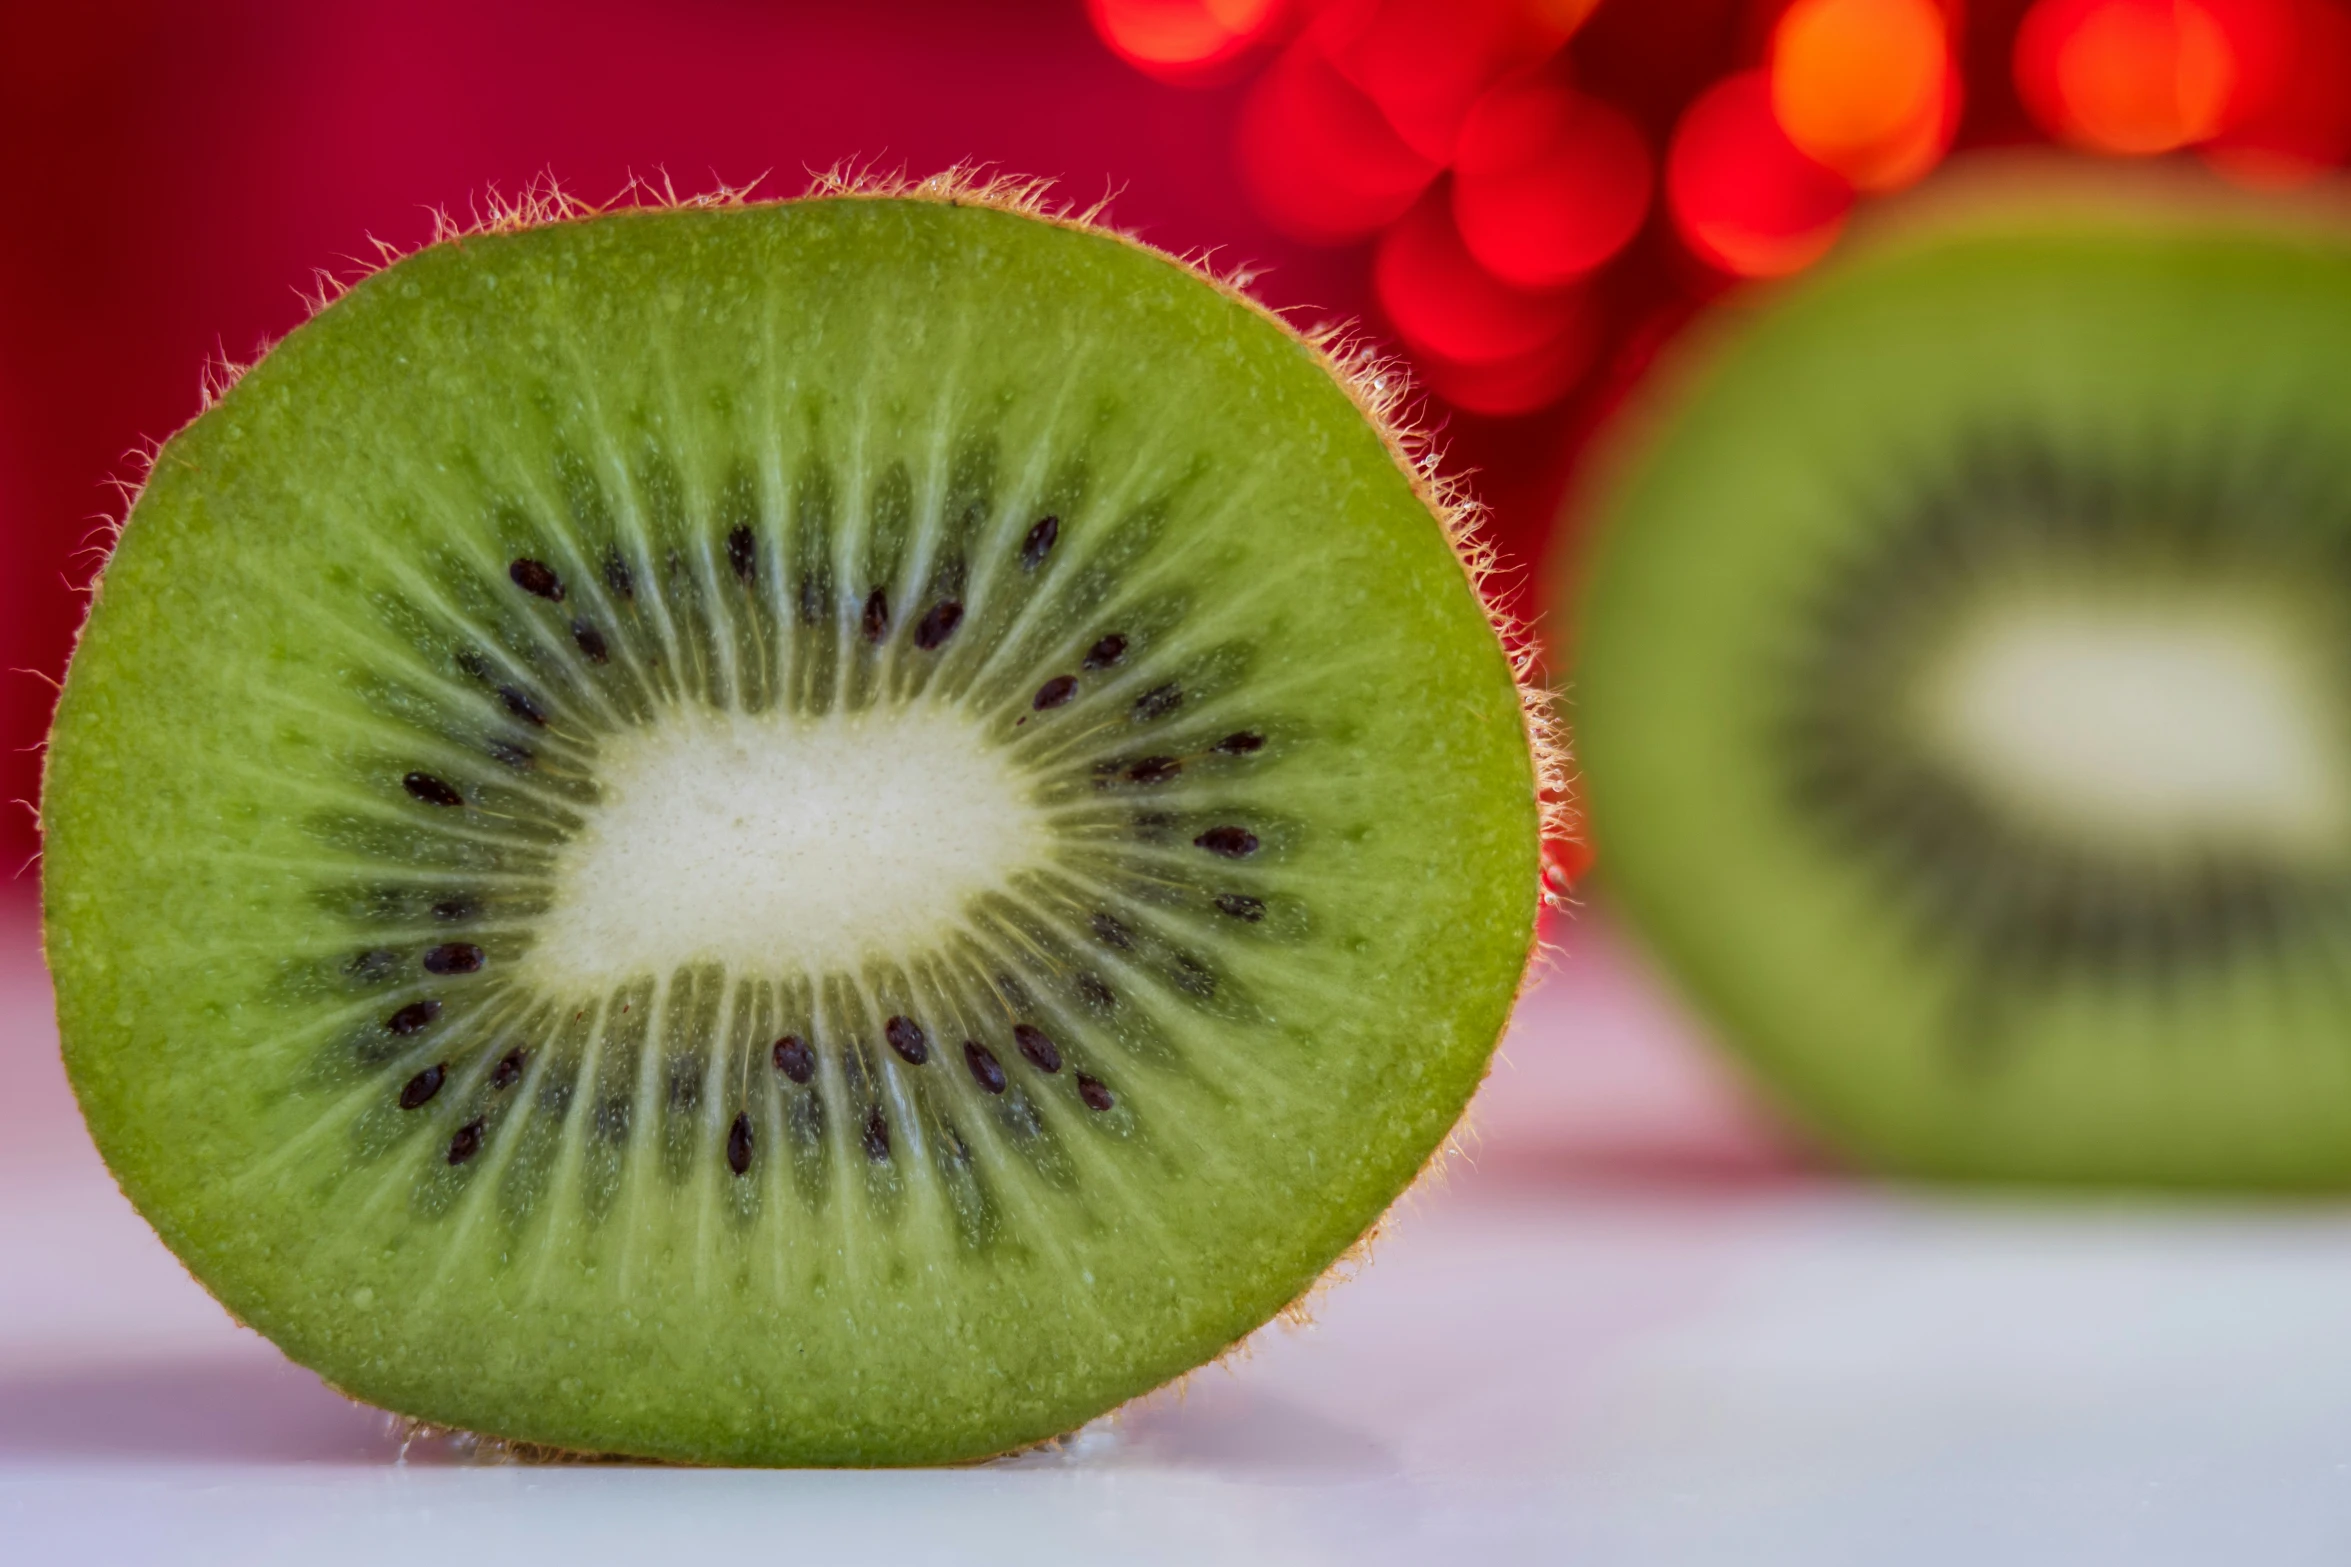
1632 1331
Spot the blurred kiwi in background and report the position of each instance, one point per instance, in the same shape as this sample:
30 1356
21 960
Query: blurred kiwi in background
1961 670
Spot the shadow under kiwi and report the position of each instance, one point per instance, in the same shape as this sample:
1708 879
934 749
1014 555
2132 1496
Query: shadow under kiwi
245 1410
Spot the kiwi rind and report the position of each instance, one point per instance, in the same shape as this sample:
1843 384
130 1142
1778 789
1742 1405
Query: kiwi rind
178 936
2116 334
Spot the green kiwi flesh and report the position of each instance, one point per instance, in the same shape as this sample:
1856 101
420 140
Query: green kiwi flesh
1964 694
843 831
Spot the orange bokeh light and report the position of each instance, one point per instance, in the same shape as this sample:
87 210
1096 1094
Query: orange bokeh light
1866 87
1319 159
1547 183
1743 196
2128 76
1182 40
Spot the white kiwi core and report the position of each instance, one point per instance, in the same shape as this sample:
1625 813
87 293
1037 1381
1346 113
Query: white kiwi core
773 844
2156 720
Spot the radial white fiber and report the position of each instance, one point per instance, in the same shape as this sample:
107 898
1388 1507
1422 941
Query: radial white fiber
777 845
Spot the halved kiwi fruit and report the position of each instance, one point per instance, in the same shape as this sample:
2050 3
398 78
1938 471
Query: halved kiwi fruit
1965 690
843 831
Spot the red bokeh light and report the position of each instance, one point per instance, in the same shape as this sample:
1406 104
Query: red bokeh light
1522 383
1439 299
1425 62
1744 196
1320 159
1548 184
1481 343
2133 76
2290 117
1185 41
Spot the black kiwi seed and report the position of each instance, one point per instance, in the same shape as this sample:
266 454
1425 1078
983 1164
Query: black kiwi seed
519 703
1039 543
877 1136
1154 770
591 642
876 624
793 1060
1106 652
538 577
1241 744
1108 927
454 909
743 555
508 1070
617 576
1042 1052
985 1069
739 1144
1233 843
1055 691
413 1016
906 1037
467 1142
1158 702
1097 994
431 790
421 1088
456 957
1096 1096
938 625
515 756
1241 907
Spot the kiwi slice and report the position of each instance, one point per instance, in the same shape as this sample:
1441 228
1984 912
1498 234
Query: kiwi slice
1964 692
842 831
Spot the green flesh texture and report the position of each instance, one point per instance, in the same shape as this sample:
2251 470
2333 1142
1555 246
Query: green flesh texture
613 1222
2137 417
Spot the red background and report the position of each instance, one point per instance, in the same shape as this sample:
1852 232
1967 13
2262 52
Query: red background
177 173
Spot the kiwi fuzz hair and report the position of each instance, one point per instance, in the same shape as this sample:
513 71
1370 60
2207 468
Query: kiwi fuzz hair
1375 386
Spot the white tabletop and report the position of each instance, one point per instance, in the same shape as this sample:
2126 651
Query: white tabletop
1633 1326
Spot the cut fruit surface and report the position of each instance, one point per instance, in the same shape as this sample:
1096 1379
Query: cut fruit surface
1962 694
838 832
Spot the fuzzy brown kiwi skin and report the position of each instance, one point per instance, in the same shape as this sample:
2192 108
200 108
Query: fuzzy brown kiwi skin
1378 388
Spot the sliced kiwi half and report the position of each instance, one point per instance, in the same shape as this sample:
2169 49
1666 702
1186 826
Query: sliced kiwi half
841 831
1964 691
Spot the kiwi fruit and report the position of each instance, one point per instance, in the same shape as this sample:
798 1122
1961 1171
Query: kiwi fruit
1963 688
829 832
